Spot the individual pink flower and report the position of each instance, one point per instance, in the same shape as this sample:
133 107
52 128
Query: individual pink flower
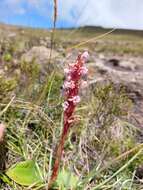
83 71
75 99
68 78
66 71
84 84
85 56
2 132
69 84
65 105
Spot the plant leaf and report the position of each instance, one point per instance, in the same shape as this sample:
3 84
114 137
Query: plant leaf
25 173
66 180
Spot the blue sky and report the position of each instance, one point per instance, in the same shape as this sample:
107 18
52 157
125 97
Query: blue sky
73 13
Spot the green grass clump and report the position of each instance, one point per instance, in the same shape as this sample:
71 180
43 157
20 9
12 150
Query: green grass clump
109 109
7 57
6 87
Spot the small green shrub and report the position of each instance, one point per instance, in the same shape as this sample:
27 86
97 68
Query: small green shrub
7 86
30 69
7 57
30 76
103 120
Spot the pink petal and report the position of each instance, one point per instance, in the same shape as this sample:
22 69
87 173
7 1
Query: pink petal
85 56
2 131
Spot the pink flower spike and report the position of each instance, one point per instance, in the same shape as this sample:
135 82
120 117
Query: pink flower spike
73 78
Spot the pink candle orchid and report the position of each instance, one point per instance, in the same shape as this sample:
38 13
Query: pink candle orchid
73 82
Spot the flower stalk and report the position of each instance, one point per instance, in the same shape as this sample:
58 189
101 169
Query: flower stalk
3 149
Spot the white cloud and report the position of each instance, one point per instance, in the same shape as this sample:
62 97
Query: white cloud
108 13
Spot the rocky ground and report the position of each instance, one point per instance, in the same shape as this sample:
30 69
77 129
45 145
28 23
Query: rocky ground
126 70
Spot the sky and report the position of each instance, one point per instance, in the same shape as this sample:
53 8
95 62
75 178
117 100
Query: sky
73 13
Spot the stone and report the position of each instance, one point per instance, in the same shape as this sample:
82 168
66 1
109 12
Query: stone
40 54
